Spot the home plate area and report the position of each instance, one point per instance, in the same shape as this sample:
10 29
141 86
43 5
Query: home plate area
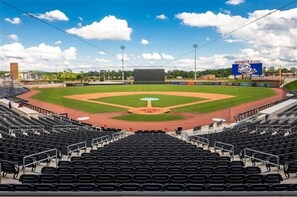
150 110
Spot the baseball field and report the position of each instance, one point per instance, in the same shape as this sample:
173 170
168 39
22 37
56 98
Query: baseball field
176 99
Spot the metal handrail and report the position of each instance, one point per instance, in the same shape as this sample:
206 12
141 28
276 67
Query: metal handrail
34 162
78 148
5 113
222 148
17 127
65 127
260 152
22 128
100 140
117 134
201 140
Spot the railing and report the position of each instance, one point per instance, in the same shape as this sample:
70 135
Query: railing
100 140
118 135
5 113
254 111
24 128
77 147
49 157
267 161
67 127
39 109
224 147
201 140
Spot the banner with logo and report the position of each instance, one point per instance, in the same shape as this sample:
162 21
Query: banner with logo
247 68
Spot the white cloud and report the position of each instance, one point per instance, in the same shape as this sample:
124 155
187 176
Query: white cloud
162 17
102 53
126 57
234 2
58 42
80 18
232 40
40 57
13 37
79 24
151 56
54 15
144 42
15 21
109 28
167 57
207 38
102 60
70 54
273 33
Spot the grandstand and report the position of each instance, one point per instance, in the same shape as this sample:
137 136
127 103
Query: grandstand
52 153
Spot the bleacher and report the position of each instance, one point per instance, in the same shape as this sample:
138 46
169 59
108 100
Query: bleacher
111 163
10 91
151 162
271 141
22 136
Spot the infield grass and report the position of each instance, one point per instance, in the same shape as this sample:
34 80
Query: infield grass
242 95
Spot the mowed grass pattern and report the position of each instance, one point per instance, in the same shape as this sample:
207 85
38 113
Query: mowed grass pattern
242 95
134 100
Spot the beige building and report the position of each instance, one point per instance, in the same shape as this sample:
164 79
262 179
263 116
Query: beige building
14 71
208 77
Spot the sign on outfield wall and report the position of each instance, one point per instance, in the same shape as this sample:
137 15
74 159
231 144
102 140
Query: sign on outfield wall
249 67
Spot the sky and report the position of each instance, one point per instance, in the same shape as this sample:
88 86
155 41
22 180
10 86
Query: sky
87 35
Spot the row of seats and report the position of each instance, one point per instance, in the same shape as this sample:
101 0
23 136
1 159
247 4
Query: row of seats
152 170
135 163
155 178
147 187
11 91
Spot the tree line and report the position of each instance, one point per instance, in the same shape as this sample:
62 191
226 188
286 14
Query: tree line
103 75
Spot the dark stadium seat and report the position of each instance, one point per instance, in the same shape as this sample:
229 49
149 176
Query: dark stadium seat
130 187
216 187
238 188
259 187
280 187
107 187
151 187
8 167
22 187
64 187
197 178
174 187
29 178
48 178
195 187
5 187
85 187
43 187
272 178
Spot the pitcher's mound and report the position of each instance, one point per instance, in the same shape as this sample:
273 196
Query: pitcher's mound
149 110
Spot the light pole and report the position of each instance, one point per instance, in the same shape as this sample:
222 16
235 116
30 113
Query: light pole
123 77
195 74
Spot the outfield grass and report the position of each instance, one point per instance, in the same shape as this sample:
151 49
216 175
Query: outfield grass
134 100
242 95
291 86
149 118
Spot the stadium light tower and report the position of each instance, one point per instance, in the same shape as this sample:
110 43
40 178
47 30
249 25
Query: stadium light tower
195 74
123 77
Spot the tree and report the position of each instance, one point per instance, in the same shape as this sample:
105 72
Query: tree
293 70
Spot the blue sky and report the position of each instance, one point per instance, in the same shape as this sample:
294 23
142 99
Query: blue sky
156 33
